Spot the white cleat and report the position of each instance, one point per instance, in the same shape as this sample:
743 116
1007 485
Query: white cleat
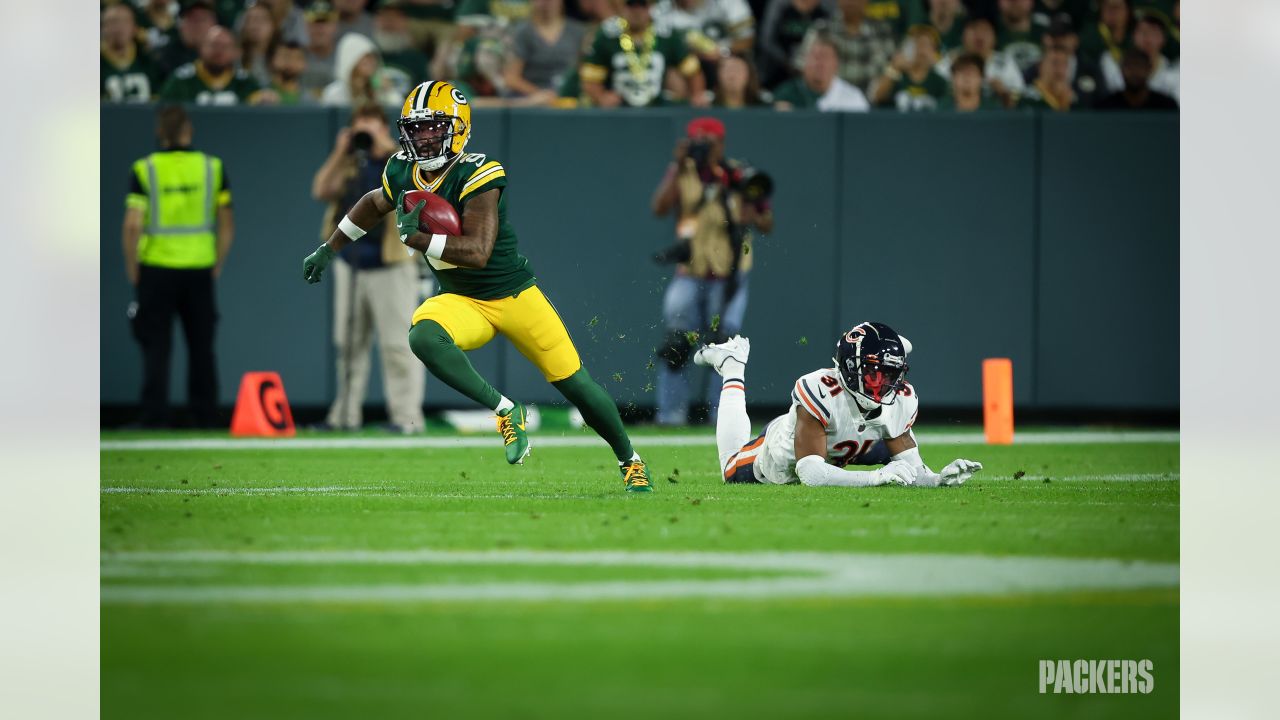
714 356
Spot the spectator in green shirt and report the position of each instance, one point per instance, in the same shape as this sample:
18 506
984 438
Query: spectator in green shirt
967 87
910 83
194 21
947 17
127 74
393 34
1052 89
1110 35
287 61
1016 35
213 79
629 59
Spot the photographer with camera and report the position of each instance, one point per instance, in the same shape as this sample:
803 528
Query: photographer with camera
375 283
716 203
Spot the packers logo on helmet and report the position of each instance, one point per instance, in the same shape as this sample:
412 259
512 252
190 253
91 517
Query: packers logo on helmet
435 124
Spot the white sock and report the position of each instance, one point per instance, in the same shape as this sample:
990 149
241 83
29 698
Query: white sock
634 457
733 426
504 405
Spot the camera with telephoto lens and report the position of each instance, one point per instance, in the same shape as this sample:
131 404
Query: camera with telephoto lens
754 184
361 142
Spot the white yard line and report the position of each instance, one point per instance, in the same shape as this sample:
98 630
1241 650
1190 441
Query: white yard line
374 491
295 490
405 491
817 575
641 441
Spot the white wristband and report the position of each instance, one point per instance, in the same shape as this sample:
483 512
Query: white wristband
350 229
436 248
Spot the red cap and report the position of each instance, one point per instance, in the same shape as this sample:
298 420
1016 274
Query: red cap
705 126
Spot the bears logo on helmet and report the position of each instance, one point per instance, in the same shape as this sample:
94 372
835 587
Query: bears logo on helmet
871 362
434 125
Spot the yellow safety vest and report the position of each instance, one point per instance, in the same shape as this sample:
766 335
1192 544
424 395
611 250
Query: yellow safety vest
183 191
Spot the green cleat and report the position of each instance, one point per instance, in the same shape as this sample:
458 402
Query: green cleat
514 439
636 476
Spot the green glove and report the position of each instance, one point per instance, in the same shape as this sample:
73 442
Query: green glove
316 262
407 222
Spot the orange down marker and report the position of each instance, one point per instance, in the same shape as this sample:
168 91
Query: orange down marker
997 400
262 408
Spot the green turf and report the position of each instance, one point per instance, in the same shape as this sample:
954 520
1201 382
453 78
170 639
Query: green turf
777 658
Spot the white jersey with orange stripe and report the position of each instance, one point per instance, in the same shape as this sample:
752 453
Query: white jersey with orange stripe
851 432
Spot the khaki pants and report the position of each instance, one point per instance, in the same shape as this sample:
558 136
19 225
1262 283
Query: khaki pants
380 300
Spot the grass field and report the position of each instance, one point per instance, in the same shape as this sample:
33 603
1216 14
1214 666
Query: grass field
384 581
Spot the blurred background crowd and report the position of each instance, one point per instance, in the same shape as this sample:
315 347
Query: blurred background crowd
832 55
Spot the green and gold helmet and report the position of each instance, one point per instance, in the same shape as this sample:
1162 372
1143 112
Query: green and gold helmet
435 124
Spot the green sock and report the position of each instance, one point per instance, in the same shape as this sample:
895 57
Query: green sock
598 410
447 361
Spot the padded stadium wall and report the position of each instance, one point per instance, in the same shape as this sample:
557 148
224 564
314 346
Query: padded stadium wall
1049 239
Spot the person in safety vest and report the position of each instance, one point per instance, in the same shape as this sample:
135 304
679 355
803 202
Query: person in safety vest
178 227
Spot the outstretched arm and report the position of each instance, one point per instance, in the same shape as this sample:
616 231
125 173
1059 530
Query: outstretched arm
366 213
903 449
473 247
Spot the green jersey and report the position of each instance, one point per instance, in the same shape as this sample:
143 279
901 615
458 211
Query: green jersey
507 271
634 65
911 96
797 93
1022 47
136 79
192 83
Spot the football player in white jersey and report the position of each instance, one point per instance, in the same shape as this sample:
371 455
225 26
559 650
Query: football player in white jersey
859 412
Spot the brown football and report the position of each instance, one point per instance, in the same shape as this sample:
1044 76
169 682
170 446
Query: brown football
437 217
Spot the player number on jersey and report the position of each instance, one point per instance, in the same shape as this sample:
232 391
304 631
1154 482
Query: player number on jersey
477 158
850 450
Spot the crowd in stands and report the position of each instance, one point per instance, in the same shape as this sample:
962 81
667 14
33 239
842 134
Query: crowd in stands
832 55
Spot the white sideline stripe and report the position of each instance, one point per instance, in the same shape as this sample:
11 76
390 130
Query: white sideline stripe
1027 438
296 489
823 575
374 490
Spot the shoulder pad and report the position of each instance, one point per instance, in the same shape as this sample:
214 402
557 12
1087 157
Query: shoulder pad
813 396
475 159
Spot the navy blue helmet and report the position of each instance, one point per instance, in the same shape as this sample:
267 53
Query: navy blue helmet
871 361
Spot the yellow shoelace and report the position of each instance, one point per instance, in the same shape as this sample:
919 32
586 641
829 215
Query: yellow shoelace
507 428
636 475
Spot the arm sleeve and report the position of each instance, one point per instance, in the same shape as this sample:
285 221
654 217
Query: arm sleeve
681 59
740 24
137 196
814 471
388 192
595 65
224 192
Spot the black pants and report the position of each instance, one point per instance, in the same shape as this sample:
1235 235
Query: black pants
162 294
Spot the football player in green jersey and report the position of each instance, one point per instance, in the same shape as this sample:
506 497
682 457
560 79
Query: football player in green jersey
487 286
